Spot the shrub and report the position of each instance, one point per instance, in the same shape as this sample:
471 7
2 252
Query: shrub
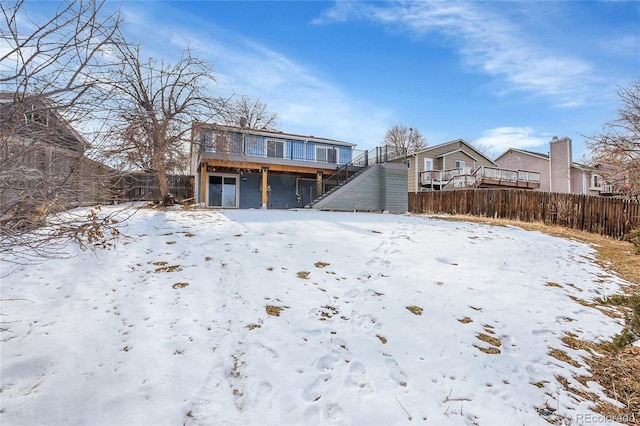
634 238
631 332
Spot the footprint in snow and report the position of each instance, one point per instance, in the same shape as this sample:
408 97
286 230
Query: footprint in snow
313 392
357 378
378 261
395 372
327 413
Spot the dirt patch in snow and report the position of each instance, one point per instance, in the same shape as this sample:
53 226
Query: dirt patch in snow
416 310
275 310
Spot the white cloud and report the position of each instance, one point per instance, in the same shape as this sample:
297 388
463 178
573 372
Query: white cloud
486 41
502 138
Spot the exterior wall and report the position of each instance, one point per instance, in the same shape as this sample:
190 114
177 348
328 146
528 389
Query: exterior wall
396 197
250 191
449 160
283 190
381 187
518 160
214 141
560 165
283 194
581 182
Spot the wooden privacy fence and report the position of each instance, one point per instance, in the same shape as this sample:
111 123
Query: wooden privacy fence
144 187
605 216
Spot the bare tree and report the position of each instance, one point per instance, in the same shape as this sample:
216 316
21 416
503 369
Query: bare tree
48 72
155 103
244 112
404 140
487 150
616 150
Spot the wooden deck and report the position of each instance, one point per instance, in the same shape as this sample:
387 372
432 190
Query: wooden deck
482 177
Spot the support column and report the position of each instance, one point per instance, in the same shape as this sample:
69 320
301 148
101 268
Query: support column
265 194
203 184
319 189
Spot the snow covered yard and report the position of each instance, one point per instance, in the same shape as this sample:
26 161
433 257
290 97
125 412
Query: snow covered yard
204 317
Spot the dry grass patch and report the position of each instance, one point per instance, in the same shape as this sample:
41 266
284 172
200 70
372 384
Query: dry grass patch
416 310
465 320
382 339
493 341
303 275
327 312
172 268
564 357
552 284
180 285
275 310
321 264
490 351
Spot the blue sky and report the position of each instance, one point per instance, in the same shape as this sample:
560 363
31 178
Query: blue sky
501 74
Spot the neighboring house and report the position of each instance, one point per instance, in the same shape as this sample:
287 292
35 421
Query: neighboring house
43 159
558 171
457 164
237 167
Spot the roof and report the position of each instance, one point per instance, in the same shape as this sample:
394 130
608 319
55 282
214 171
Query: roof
455 141
272 133
66 136
544 157
524 151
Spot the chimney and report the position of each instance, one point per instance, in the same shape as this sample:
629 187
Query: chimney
560 159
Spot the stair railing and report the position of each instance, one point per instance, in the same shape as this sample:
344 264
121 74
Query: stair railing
347 171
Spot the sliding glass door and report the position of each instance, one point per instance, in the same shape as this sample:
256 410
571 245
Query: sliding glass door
222 191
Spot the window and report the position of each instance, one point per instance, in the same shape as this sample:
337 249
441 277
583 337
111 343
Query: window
595 181
275 148
325 154
206 138
428 164
255 145
297 150
459 164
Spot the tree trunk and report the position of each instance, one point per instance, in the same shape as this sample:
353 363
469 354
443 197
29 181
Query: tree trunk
163 183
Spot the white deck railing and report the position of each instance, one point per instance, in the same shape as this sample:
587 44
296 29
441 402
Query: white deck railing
464 177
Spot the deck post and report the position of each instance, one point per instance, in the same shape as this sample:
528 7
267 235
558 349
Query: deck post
265 192
203 184
319 188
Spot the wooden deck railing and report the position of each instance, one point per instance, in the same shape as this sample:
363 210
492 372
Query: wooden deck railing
465 178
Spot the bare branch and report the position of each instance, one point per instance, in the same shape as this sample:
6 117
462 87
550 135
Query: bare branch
403 140
616 150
